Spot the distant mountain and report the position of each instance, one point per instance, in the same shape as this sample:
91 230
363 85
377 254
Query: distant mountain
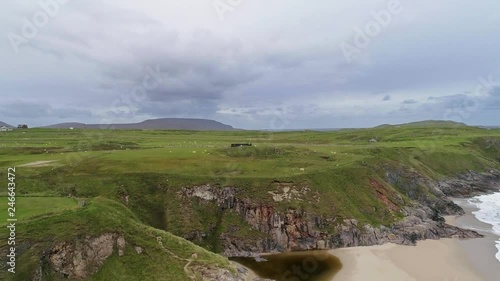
4 124
156 124
427 123
68 125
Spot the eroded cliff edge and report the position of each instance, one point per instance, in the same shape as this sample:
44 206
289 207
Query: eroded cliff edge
419 203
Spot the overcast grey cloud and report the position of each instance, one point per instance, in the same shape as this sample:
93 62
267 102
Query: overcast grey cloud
266 60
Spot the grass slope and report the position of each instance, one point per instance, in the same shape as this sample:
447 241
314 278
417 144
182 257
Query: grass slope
29 207
147 169
99 216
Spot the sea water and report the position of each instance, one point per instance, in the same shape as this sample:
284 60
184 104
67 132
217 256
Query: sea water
489 212
306 266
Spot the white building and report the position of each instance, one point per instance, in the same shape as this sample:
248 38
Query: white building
5 129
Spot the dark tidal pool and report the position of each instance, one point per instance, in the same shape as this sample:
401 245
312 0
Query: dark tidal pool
295 266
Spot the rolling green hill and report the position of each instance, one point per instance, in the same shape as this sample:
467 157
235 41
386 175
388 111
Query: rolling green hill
48 246
139 185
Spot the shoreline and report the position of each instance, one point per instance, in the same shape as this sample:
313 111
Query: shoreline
440 260
481 251
443 260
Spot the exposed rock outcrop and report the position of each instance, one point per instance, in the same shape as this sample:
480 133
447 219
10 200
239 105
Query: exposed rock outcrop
298 230
471 184
138 250
288 191
217 274
421 189
80 259
120 242
407 232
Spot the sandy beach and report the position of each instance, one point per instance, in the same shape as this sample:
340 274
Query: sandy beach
436 260
429 260
479 252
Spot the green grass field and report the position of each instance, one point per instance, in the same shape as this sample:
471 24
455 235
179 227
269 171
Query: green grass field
89 163
30 207
53 167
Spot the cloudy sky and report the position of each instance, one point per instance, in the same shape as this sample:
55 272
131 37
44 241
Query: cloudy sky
279 64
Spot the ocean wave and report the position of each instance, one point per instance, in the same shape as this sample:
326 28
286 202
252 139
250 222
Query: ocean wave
489 212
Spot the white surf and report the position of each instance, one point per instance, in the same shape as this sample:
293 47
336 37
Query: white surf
489 212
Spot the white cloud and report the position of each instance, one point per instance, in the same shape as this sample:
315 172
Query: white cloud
266 59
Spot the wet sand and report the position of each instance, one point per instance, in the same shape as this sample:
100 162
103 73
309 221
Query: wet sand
480 252
436 260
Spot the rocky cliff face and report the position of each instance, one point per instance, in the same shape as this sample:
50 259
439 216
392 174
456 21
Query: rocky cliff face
471 184
422 190
79 259
298 230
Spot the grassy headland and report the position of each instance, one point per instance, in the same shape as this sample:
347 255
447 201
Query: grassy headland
131 180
